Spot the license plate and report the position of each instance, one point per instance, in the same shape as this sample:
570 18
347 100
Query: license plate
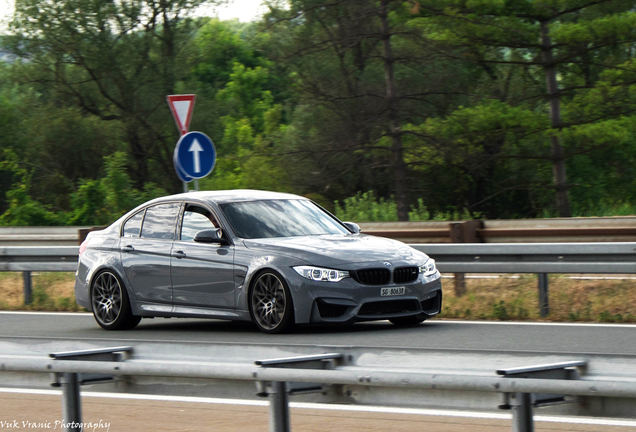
392 291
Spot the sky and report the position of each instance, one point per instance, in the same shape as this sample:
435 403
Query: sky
244 10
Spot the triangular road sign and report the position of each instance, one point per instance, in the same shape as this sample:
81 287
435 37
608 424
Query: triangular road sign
182 107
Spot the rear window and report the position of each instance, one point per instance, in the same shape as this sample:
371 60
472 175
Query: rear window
132 227
160 221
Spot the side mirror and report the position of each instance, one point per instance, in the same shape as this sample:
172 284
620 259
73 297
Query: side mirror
353 227
210 236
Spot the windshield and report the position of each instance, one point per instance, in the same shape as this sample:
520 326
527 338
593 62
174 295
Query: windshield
280 218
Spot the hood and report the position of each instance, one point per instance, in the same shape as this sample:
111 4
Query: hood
338 250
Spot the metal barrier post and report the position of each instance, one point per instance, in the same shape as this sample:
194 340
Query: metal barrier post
278 392
28 287
521 404
71 405
279 408
522 413
544 300
71 381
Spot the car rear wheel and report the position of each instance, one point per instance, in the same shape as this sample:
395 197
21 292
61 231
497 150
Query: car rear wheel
111 307
408 320
271 304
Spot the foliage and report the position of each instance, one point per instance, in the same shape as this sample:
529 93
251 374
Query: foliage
366 207
432 110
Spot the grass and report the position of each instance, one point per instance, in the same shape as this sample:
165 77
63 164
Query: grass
573 300
51 292
504 298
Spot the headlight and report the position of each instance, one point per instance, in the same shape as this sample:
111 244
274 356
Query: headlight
321 274
428 269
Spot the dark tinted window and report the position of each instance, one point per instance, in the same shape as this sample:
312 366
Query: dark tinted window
160 221
196 219
280 218
132 227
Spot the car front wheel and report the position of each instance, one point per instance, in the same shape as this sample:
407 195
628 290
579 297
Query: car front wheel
111 307
271 304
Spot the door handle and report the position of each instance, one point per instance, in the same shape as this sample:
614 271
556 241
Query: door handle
127 248
179 254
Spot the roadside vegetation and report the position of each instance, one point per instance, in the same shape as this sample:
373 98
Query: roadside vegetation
516 299
505 298
439 107
51 292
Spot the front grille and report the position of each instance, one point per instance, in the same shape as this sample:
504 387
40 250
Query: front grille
328 310
388 307
405 274
375 276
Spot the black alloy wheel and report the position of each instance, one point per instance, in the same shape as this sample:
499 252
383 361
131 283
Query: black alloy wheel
111 307
271 304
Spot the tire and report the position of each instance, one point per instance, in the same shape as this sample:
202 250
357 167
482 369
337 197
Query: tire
408 320
110 303
271 305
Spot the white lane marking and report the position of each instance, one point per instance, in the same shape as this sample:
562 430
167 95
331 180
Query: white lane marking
82 314
333 407
566 277
529 323
435 321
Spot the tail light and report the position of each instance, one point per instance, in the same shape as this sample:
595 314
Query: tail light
83 247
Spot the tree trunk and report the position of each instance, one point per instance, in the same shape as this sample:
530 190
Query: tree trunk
558 157
397 158
139 174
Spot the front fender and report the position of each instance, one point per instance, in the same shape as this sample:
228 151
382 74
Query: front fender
249 263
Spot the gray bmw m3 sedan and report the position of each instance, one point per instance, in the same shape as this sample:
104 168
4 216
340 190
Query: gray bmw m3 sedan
274 259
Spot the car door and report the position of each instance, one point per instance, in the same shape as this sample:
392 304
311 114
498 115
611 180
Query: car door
202 273
146 245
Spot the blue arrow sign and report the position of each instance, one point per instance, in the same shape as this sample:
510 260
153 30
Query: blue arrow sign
194 156
182 176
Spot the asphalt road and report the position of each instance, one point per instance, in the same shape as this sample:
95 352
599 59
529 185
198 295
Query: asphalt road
434 334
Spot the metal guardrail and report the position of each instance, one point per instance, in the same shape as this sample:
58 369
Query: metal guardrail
27 259
586 230
538 258
516 386
38 258
42 236
590 258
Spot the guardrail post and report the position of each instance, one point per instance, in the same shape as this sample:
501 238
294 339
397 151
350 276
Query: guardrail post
279 408
71 405
457 236
28 287
521 403
278 392
71 381
464 232
544 300
522 413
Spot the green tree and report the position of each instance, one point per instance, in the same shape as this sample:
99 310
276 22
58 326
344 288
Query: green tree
364 76
567 44
115 61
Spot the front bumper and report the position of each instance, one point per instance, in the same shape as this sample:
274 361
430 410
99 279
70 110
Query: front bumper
350 301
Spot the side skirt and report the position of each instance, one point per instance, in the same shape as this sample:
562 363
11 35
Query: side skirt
163 310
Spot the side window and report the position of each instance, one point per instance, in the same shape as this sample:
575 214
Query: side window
160 221
196 219
132 227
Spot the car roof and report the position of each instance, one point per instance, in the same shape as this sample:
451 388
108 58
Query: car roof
226 196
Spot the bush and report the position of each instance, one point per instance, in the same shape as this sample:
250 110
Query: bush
365 207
